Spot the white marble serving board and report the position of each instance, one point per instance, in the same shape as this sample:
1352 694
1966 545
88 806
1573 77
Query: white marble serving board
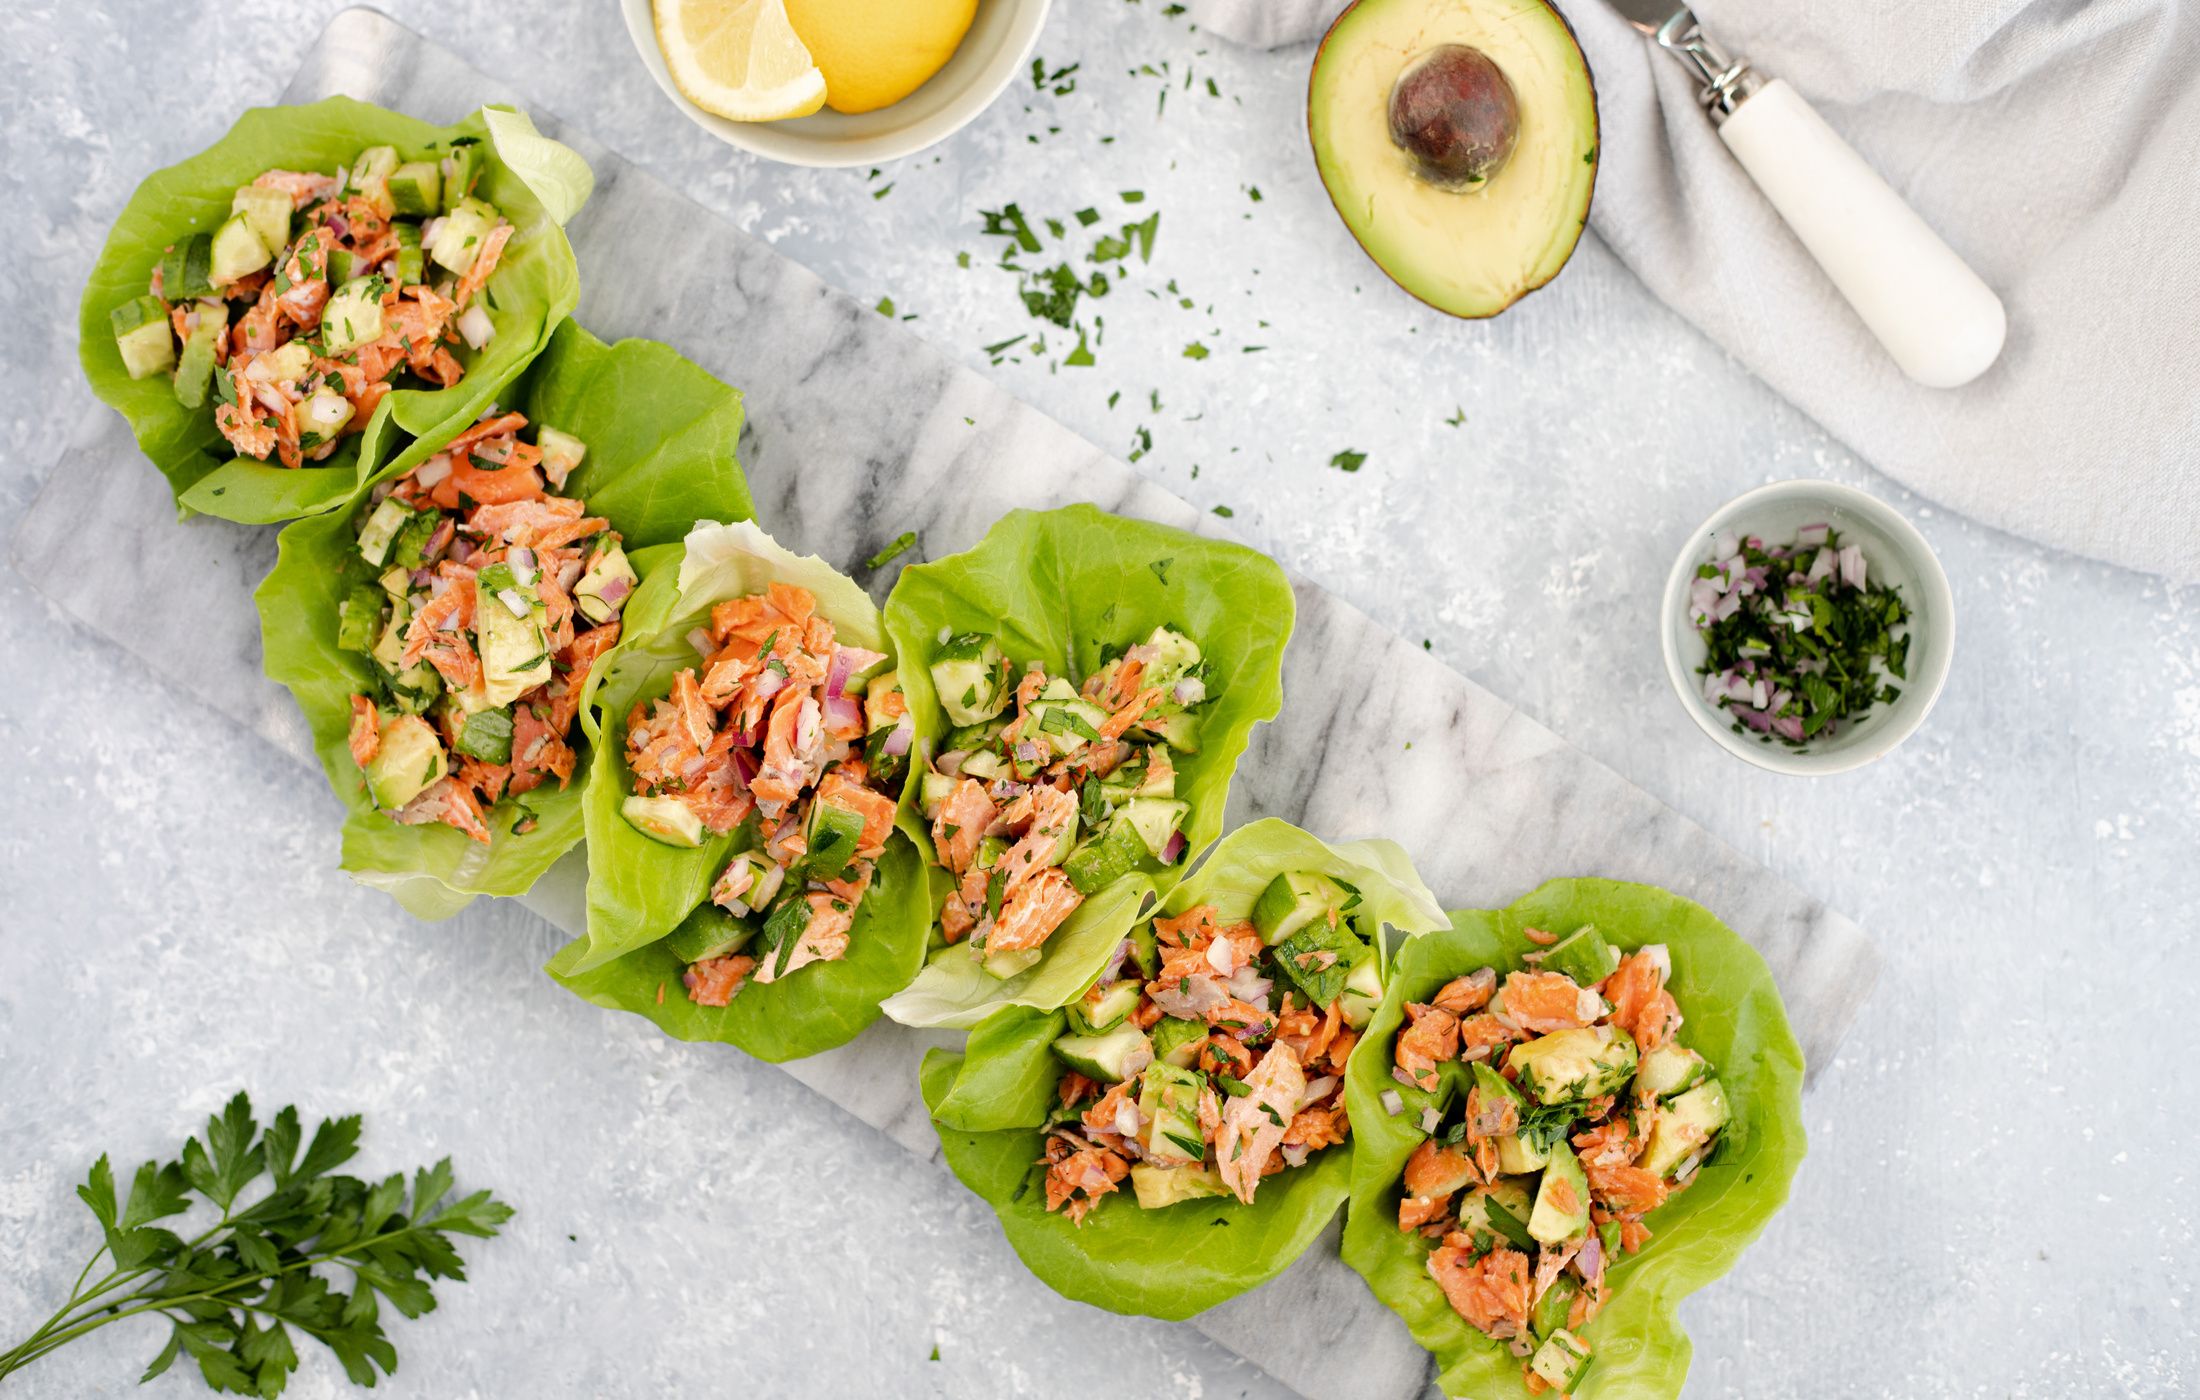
857 431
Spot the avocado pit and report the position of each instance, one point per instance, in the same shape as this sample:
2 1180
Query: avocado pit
1454 112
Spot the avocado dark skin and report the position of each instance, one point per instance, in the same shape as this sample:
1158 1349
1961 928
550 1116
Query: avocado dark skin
1455 113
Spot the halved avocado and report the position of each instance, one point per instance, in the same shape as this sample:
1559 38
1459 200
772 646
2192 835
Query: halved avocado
1458 140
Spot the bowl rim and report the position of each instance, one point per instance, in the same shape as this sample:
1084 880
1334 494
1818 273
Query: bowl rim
1918 697
1031 17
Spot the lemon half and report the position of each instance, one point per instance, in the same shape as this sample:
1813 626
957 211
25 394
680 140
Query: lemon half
876 52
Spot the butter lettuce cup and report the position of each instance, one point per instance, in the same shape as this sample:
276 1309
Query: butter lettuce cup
754 873
444 632
1092 681
1569 1114
282 314
1177 1135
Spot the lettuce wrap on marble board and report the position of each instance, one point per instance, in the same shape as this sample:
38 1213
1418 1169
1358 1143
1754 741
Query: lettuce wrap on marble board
754 873
444 632
1093 681
281 315
1175 1135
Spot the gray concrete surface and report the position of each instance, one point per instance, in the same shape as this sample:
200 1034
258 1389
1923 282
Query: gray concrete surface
1998 1200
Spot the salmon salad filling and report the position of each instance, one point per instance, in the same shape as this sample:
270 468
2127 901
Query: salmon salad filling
1211 1054
493 600
1047 792
317 295
810 737
1581 1115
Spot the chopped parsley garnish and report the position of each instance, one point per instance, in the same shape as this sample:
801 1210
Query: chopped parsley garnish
1348 460
898 546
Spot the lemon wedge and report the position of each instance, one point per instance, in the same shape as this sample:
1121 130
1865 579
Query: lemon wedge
739 58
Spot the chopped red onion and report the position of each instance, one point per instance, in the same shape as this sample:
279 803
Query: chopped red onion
846 662
1317 1089
1431 1118
429 232
898 741
615 589
1190 997
430 473
1811 535
475 326
513 603
1247 985
1174 851
1393 1102
1190 691
1821 567
1724 543
1852 565
1590 1262
842 712
699 639
1115 963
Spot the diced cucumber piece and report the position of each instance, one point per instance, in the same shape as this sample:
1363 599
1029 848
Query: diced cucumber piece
359 618
396 582
663 819
370 174
1561 1361
195 366
1064 725
409 759
459 242
268 212
411 262
1155 819
1561 1199
984 766
389 651
604 566
1574 1064
982 736
835 832
322 418
1363 991
1668 1070
1105 858
187 269
1116 1000
1582 955
515 655
1321 957
415 688
1177 1041
1173 725
1516 1154
1010 961
1499 1209
238 251
1684 1126
968 676
343 265
1109 1058
1156 1187
143 336
562 453
416 188
932 791
389 516
990 851
1146 950
487 736
708 932
353 316
461 168
1293 900
1169 1099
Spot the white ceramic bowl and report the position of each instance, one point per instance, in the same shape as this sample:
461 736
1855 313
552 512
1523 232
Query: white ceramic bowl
996 49
1894 552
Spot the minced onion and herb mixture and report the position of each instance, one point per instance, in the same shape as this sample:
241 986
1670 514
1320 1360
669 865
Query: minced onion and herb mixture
1799 639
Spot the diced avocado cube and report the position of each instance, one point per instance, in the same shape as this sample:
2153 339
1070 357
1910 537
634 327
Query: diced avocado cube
1105 858
410 262
1293 900
1556 1302
322 417
1177 1041
187 269
389 650
268 212
1574 1064
932 791
990 851
1515 1154
415 688
562 453
708 932
1561 1361
1177 654
663 819
375 537
416 187
1500 1209
605 566
487 736
143 336
1109 1058
238 251
1320 957
967 674
1156 820
1168 1097
408 761
1146 950
1684 1126
359 618
1582 955
515 655
461 168
835 832
1156 1187
288 361
397 582
1363 991
1668 1070
1011 961
1561 1199
1116 1000
195 367
353 316
1173 725
459 242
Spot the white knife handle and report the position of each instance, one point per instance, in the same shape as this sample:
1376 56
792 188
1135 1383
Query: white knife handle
1941 324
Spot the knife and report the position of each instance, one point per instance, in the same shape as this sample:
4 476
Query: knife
1941 323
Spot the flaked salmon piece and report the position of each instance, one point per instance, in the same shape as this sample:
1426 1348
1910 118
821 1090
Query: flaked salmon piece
534 523
1316 1128
961 824
823 939
485 262
1233 1015
876 809
1073 1089
1104 1116
247 433
1198 921
1490 1293
793 751
713 981
1423 1212
1641 1005
1079 1177
259 330
1253 1123
578 662
1225 1054
538 749
1033 910
1311 1036
1542 1002
1626 1189
1612 1144
1490 1115
448 614
1438 1171
1462 995
1430 1038
445 801
1481 1034
303 187
1132 711
365 738
1053 817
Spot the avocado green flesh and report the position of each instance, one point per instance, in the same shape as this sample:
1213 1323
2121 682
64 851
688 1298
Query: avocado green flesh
1468 252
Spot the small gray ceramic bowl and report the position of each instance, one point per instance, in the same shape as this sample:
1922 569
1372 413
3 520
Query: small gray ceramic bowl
1894 552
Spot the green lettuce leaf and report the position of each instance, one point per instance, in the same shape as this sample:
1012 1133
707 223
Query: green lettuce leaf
1733 1018
535 182
989 1104
660 433
1059 587
640 889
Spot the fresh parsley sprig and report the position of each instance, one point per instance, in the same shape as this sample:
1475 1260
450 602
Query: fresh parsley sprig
233 1293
